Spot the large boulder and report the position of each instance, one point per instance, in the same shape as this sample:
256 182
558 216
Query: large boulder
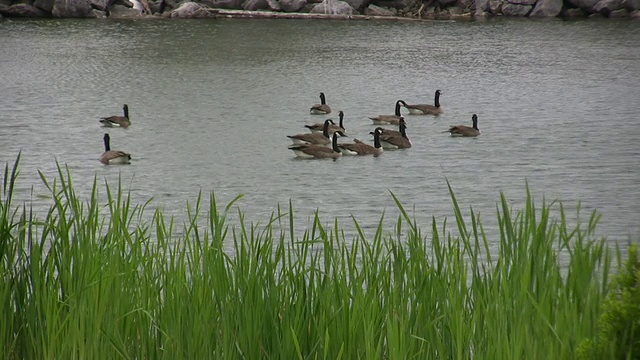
583 4
332 7
495 7
255 5
605 7
547 8
358 5
510 9
573 13
46 5
190 10
446 3
292 5
373 10
632 5
23 10
123 12
481 6
71 8
224 4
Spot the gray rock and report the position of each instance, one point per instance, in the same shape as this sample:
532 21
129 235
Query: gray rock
46 5
495 6
96 4
71 8
522 2
190 10
546 8
510 9
224 4
358 5
632 5
395 4
332 7
466 5
573 13
481 6
123 12
619 13
255 5
23 10
635 15
373 10
97 14
274 5
583 4
605 7
292 5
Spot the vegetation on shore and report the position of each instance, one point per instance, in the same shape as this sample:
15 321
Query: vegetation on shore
95 281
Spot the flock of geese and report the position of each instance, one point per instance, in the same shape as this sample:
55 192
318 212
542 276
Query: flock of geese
322 141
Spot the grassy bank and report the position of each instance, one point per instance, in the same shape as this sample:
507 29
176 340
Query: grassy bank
90 281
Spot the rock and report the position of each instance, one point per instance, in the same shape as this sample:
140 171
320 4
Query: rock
46 5
495 7
481 6
190 10
332 7
547 8
605 7
583 4
395 4
358 5
97 14
255 5
466 5
522 2
619 13
123 12
292 5
635 15
573 13
510 9
223 4
22 10
631 5
373 10
71 8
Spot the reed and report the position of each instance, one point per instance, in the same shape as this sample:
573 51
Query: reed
90 280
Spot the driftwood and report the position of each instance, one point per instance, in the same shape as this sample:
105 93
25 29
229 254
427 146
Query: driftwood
242 14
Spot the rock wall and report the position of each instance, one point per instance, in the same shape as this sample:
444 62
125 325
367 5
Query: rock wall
408 9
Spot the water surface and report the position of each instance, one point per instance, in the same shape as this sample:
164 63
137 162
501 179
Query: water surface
212 102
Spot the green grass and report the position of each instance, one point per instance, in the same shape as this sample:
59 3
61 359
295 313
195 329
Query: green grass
92 280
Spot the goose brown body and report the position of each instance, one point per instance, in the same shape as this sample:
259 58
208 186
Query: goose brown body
113 157
466 131
426 109
118 121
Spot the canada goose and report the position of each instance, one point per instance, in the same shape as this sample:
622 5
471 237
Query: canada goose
318 151
322 108
314 138
317 127
390 139
360 148
425 109
137 5
389 119
462 130
118 121
113 157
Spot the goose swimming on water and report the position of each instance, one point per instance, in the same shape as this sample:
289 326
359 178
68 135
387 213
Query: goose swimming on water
118 121
466 131
322 108
113 157
389 119
306 151
426 109
318 127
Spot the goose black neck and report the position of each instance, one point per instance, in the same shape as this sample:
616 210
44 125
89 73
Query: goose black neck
475 122
341 114
376 140
398 108
334 143
126 111
325 128
403 130
106 143
437 99
323 101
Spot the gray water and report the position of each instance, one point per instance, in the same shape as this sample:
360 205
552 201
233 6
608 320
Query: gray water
212 101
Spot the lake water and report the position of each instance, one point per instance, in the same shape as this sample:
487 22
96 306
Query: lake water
212 101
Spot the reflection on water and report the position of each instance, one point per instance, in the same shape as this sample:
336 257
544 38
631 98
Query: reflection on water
211 103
